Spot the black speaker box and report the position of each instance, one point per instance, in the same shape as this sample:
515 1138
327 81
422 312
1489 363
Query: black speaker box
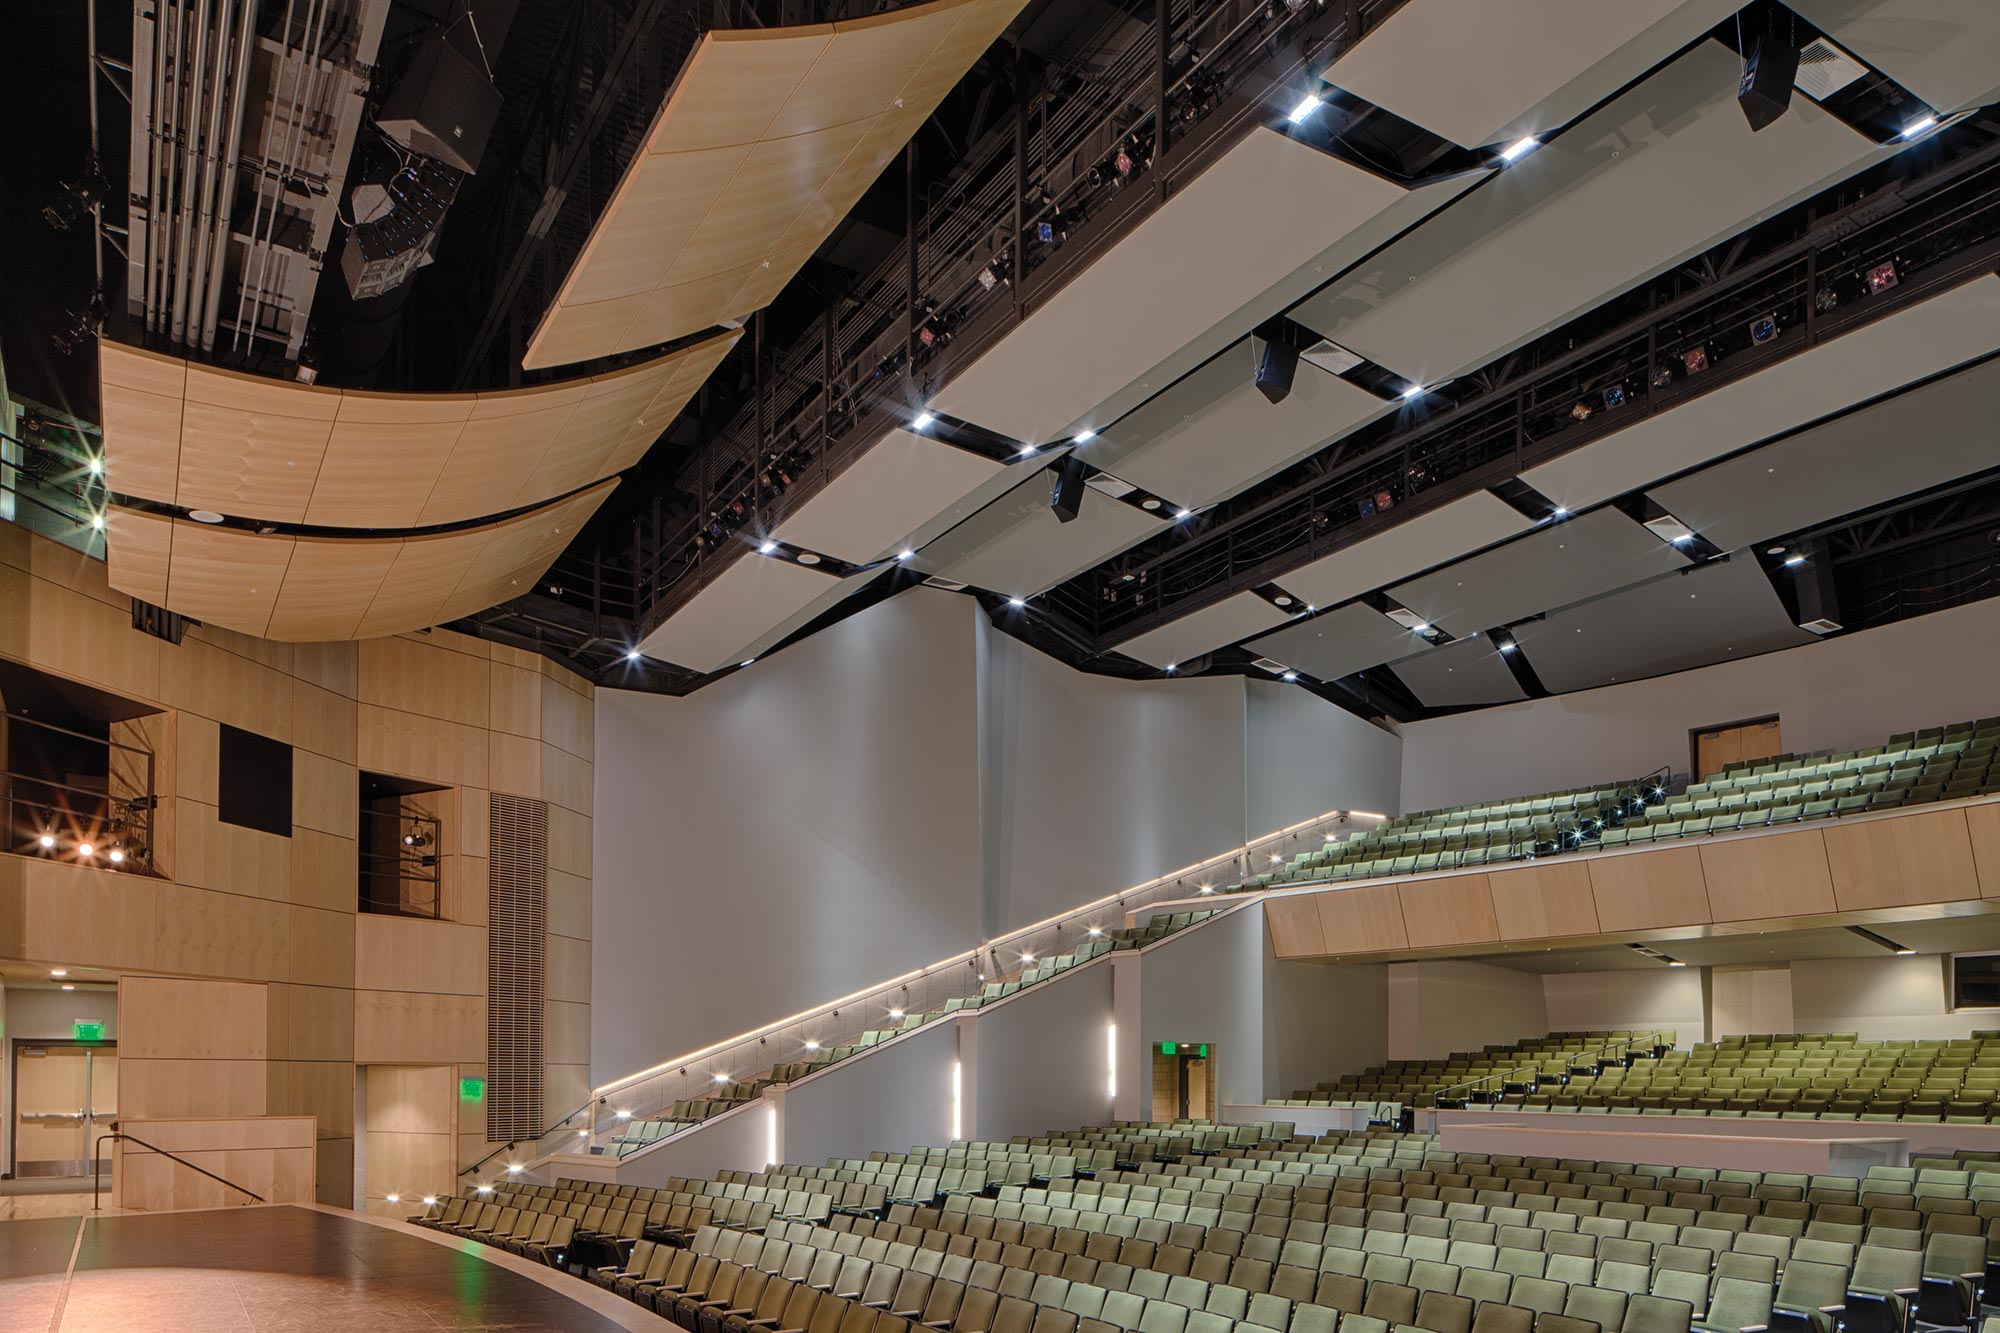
1066 489
445 105
1768 72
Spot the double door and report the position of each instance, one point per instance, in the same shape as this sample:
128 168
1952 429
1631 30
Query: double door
65 1098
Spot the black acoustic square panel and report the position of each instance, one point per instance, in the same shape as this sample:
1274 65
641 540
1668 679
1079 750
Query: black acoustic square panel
254 782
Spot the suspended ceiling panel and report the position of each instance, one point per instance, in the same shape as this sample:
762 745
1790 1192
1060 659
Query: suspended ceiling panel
1201 631
1481 74
1877 358
1945 51
315 589
884 497
1718 612
1339 642
1406 548
767 140
1664 171
249 446
1563 563
748 600
1467 674
840 591
1921 438
1191 279
1016 545
1213 434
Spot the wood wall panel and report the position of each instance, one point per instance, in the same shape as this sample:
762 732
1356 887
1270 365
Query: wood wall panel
434 957
1543 901
1982 824
1453 909
1750 878
183 1088
1924 858
398 1027
273 1157
176 1017
1661 886
1368 919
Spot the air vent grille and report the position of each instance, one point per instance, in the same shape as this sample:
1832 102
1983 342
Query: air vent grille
516 966
1824 69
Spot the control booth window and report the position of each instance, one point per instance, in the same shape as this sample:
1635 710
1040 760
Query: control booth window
1975 981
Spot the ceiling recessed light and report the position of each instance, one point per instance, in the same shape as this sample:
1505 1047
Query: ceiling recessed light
1289 676
1305 107
204 516
1281 600
808 558
1149 503
1519 148
1027 450
767 548
906 555
1016 603
1414 391
924 419
58 972
1920 126
1085 436
1184 513
632 655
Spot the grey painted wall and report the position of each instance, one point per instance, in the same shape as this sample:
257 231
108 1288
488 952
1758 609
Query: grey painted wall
1438 1007
786 836
1208 985
1844 693
896 789
894 1098
1659 998
1321 1020
1042 1058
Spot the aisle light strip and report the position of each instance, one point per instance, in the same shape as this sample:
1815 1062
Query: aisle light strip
957 1100
1111 1062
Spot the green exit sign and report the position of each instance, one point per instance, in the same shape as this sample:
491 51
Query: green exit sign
472 1089
1198 1049
88 1031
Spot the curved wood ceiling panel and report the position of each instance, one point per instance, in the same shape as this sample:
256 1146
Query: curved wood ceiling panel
767 139
315 589
252 447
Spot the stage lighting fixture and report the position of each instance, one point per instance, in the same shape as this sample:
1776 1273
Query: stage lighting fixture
117 856
1581 412
47 840
1122 163
1614 396
1663 375
1044 232
1763 328
1066 489
1882 277
1695 359
988 279
1826 298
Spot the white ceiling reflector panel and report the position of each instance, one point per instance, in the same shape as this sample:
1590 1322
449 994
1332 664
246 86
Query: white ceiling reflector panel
1877 358
1664 171
838 591
1187 282
885 496
1716 612
1467 674
1480 74
1339 642
1016 545
1214 434
1945 51
1202 631
748 600
1922 437
1563 563
1408 547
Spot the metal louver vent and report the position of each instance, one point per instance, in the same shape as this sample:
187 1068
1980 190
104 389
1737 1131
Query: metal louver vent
1824 69
516 964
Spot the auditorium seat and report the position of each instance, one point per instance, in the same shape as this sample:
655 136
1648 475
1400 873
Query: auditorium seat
1941 763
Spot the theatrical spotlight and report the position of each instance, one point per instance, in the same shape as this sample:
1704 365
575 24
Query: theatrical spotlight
1695 359
1763 328
1882 277
1663 375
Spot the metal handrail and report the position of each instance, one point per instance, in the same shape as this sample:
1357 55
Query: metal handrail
1623 1047
97 1161
515 1143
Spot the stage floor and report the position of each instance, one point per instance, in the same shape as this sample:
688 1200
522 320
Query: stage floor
280 1270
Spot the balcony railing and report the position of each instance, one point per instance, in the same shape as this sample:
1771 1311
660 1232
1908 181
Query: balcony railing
91 802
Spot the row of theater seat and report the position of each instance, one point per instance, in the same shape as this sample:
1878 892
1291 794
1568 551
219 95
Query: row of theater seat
642 1131
1795 1076
1943 763
1518 1246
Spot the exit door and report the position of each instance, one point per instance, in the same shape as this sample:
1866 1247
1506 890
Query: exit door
1183 1081
65 1098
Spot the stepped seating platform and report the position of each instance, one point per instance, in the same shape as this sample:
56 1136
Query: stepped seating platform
1192 1228
642 1131
1805 1076
1912 768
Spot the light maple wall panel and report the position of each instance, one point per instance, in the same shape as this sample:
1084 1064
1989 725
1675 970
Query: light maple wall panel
249 446
1643 890
1750 878
1923 858
1456 909
1543 901
255 913
767 139
292 588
